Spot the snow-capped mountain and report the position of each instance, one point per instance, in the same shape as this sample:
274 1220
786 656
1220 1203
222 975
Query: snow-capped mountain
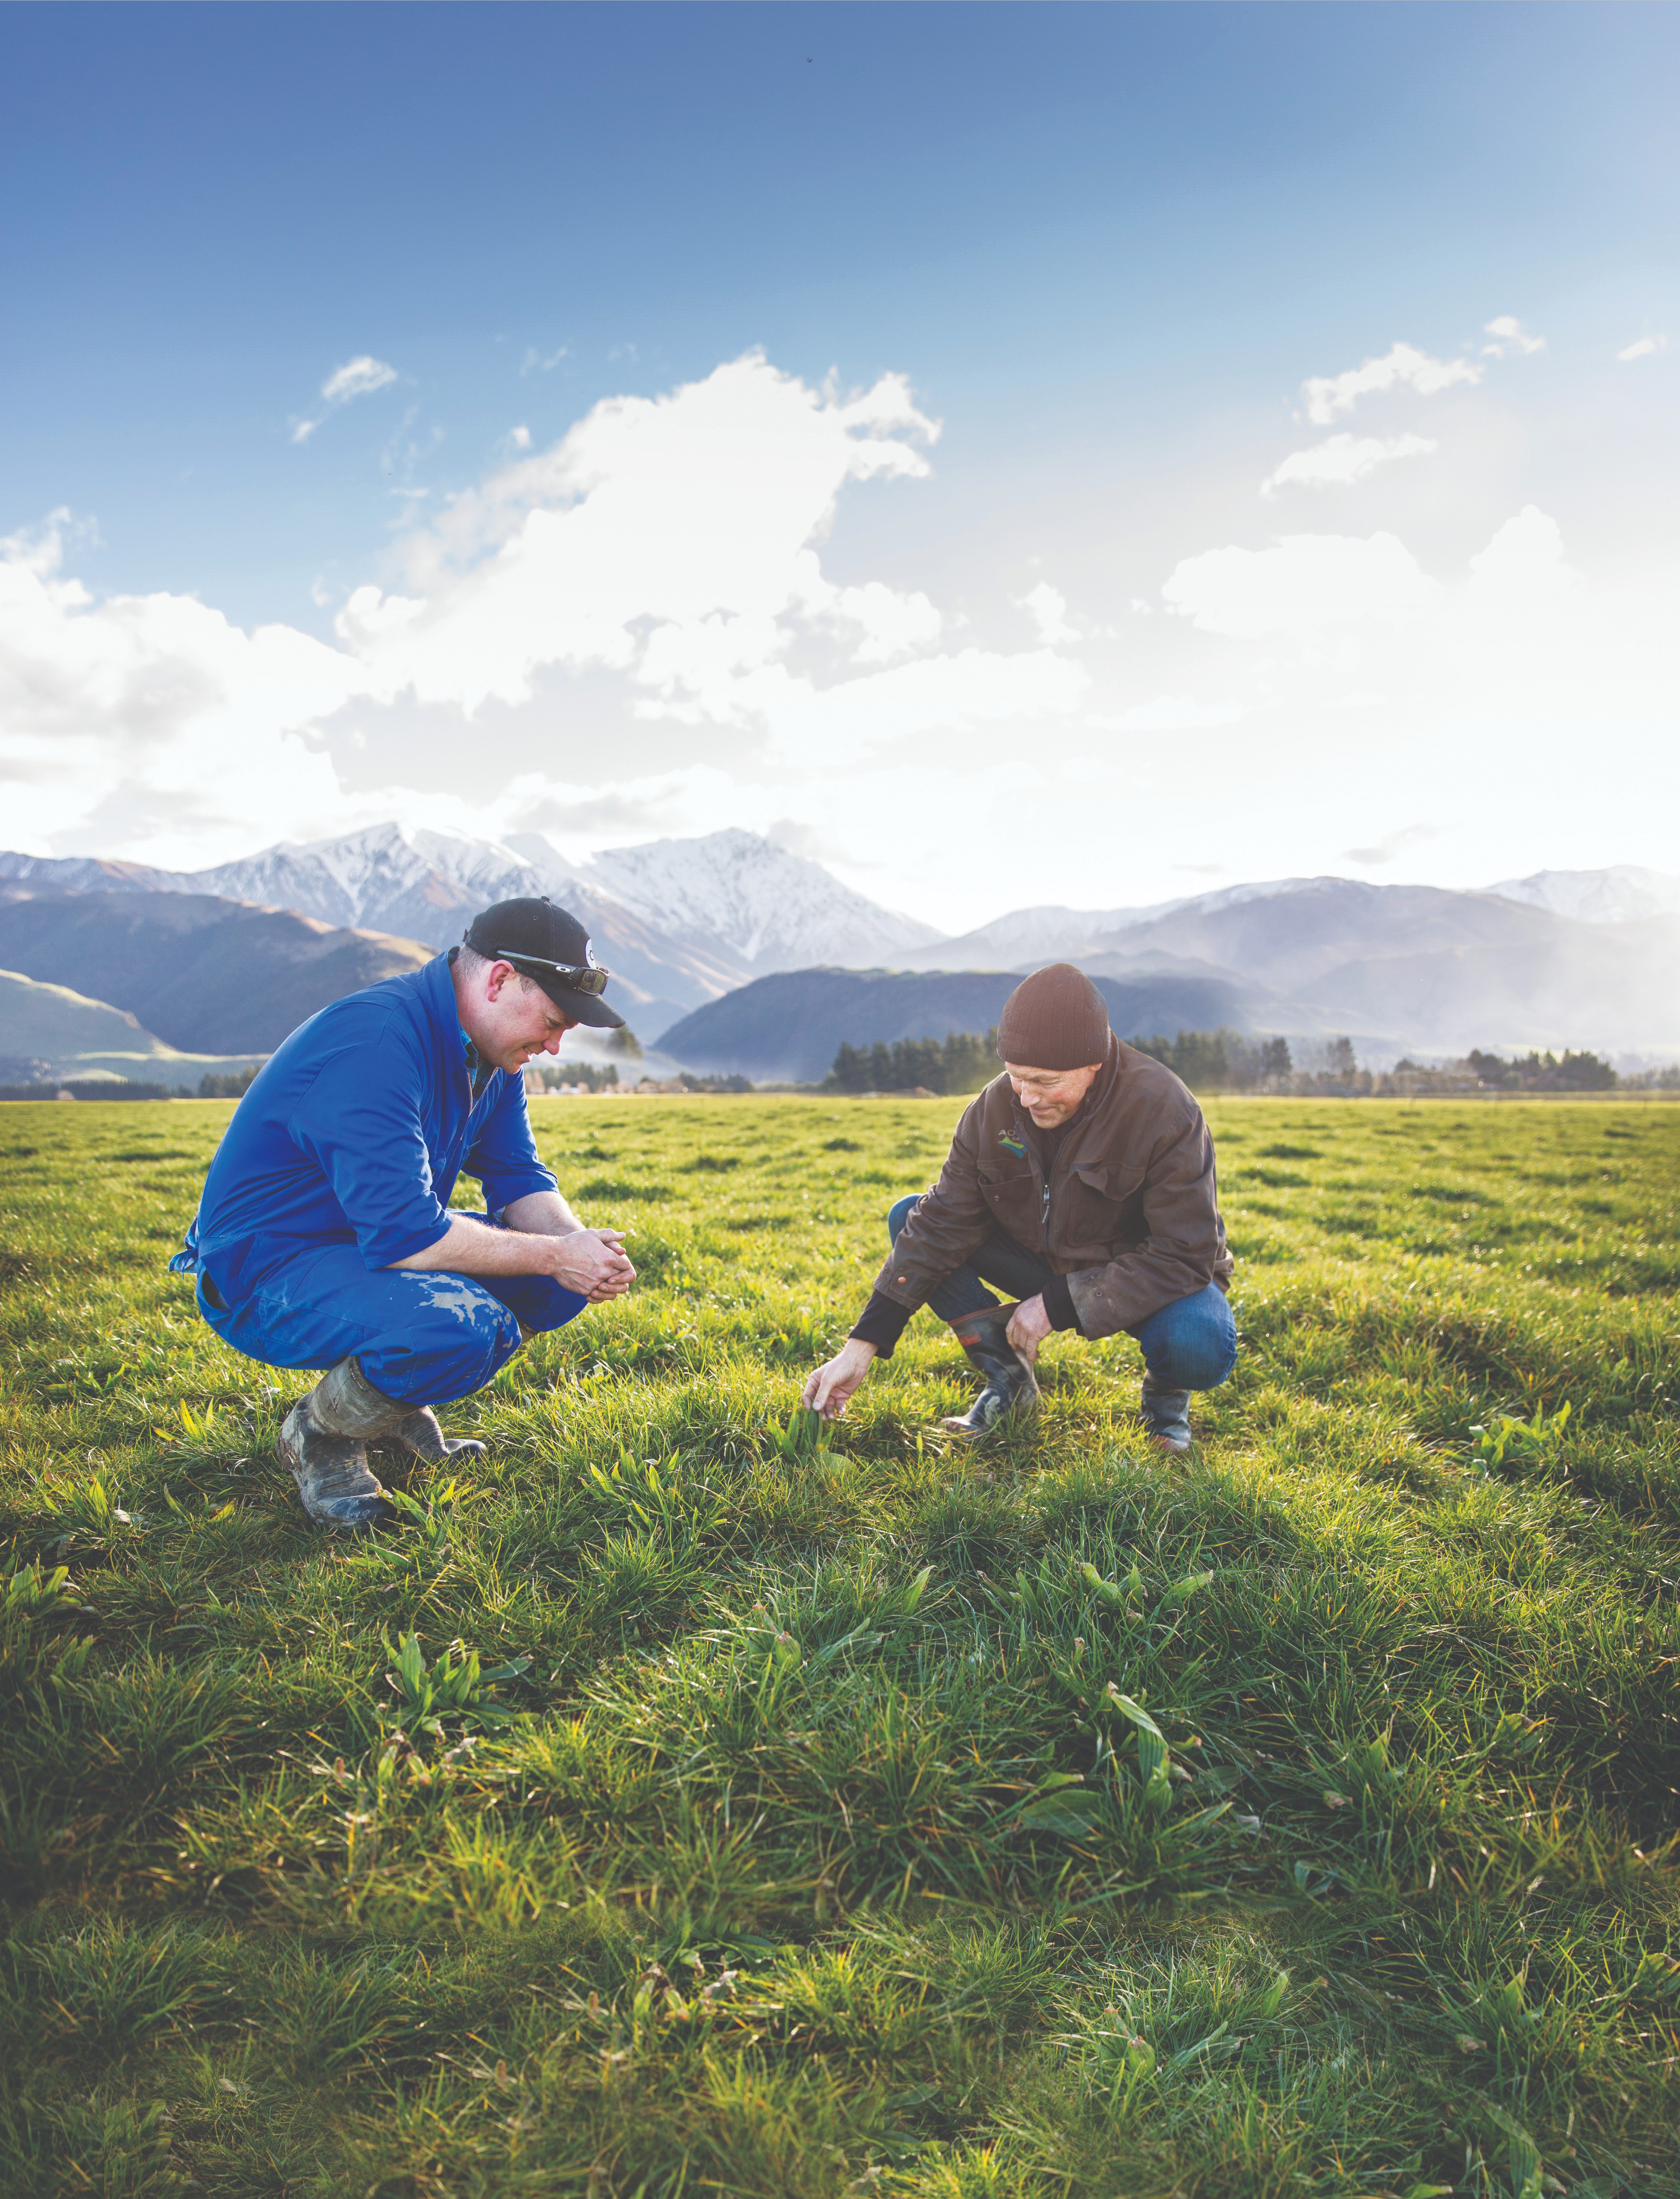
678 922
1027 938
1620 895
776 910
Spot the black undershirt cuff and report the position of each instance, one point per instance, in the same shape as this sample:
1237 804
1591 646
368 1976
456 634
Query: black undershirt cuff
882 1323
1058 1304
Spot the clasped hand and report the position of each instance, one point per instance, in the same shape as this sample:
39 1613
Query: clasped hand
593 1263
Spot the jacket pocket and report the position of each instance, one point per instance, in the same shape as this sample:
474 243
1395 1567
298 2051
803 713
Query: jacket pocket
1103 1210
1014 1203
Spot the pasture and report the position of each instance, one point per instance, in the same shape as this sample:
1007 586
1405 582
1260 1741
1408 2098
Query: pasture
673 1804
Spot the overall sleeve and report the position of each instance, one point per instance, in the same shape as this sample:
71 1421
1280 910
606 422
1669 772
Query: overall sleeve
1180 1255
502 1155
360 1121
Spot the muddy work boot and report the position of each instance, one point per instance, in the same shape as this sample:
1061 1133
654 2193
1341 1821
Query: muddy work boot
323 1445
419 1434
1011 1385
1166 1416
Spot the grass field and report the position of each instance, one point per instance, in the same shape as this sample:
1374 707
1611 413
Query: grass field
671 1804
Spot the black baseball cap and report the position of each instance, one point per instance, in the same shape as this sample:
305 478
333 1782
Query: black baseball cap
550 948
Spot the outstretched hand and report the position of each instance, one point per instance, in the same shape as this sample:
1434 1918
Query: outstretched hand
829 1390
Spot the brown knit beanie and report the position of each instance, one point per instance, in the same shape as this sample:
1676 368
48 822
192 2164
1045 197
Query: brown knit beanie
1053 1019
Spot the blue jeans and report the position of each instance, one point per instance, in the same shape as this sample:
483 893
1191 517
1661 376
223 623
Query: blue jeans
1188 1344
423 1336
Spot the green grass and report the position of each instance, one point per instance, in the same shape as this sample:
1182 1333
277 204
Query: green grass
673 1804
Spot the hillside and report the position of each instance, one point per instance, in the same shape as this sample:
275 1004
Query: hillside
208 976
48 1030
787 1029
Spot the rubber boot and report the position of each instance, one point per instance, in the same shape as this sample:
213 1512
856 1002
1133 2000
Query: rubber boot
1011 1385
419 1433
323 1445
1166 1416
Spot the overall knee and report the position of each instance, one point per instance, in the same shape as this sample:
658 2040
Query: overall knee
898 1213
469 1337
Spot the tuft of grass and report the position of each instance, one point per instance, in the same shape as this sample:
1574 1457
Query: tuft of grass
686 1796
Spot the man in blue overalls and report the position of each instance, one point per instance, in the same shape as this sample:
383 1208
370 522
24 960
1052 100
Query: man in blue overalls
324 1237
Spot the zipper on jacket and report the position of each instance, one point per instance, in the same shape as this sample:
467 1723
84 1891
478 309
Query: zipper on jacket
1047 1181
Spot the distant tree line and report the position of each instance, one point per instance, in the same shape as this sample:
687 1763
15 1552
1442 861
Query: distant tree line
1226 1061
557 1076
231 1084
962 1061
92 1087
1543 1072
1479 1071
1230 1061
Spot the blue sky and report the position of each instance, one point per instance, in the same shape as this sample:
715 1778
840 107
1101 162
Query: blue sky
1090 261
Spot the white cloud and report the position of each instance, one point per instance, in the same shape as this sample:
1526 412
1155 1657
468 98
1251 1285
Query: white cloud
356 377
1643 348
518 439
1341 460
1510 339
1167 714
1047 607
534 363
1393 845
669 544
960 694
1303 584
153 714
1402 366
671 538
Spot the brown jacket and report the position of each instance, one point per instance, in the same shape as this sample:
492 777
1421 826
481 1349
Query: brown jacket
1130 1214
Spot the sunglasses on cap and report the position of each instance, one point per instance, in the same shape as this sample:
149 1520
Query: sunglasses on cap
591 980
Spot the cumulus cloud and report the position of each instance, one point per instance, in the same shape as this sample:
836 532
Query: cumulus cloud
1301 585
356 377
154 710
1341 460
1510 339
672 538
1643 348
1393 845
1047 608
1402 366
670 546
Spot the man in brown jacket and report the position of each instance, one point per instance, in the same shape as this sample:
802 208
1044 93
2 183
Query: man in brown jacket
1082 1182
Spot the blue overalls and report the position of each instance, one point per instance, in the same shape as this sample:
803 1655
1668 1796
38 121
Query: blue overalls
339 1159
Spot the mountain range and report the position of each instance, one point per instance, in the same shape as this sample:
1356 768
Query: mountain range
678 922
1399 969
694 930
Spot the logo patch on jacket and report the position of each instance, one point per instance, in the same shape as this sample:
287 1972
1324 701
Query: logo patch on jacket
1014 1145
